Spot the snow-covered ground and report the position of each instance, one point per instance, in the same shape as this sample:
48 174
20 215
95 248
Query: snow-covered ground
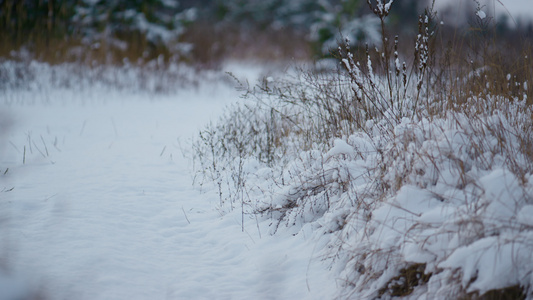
97 203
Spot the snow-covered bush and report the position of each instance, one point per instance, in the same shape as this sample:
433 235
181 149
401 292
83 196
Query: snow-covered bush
420 173
448 196
152 77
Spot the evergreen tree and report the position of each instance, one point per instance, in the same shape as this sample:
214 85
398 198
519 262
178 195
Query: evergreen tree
161 21
323 22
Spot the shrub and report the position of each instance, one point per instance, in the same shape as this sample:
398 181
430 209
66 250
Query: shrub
418 167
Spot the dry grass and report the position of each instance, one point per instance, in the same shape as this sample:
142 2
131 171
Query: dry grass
431 119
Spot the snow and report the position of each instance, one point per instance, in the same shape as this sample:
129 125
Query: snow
481 14
12 288
96 200
340 148
525 216
103 206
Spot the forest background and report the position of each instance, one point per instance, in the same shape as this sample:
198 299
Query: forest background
204 32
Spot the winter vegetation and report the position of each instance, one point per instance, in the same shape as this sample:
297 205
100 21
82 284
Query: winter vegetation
396 151
417 165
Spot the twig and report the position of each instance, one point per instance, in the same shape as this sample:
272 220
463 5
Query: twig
45 148
38 149
185 215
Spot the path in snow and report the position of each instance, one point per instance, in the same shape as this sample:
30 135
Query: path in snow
110 213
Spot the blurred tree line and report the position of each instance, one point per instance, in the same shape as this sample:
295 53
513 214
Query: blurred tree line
135 27
194 30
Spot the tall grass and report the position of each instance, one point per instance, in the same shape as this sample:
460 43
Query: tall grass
349 150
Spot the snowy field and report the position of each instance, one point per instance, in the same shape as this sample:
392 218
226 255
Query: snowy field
97 203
